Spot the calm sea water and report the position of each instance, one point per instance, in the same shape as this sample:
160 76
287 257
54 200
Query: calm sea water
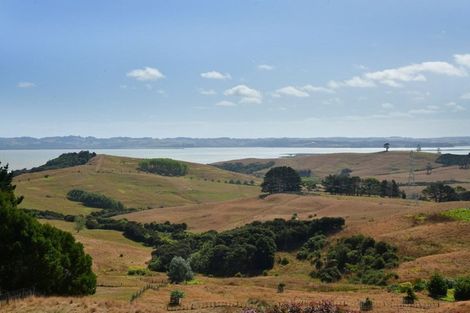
18 159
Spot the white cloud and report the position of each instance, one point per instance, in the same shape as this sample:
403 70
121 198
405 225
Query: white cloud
146 74
265 67
465 96
247 94
454 107
462 59
26 85
208 92
422 111
310 88
395 77
387 105
292 91
225 103
216 75
358 82
432 107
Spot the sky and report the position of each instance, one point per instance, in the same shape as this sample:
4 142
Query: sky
316 68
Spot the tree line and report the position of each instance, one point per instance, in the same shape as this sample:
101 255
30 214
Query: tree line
440 192
163 166
344 184
64 160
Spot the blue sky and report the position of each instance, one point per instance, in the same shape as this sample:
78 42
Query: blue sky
235 68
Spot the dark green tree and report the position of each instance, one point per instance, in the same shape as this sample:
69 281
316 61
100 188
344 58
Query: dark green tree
281 179
437 286
36 255
462 289
439 192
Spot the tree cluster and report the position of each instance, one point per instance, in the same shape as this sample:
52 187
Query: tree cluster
448 159
64 160
247 250
440 192
281 179
344 184
164 167
151 234
360 258
36 255
94 200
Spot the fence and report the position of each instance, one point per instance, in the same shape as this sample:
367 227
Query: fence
141 291
7 297
204 305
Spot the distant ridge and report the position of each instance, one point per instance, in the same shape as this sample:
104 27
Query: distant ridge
78 142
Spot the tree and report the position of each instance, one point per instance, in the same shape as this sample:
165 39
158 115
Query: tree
386 146
79 223
437 286
439 192
281 179
38 255
462 289
179 270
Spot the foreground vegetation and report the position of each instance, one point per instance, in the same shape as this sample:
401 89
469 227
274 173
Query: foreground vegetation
40 256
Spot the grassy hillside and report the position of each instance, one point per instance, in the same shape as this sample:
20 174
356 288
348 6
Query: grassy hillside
396 221
382 165
118 178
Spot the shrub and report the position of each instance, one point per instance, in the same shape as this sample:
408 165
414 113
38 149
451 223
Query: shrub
284 261
366 305
419 285
179 270
138 272
410 297
437 286
462 289
176 296
280 287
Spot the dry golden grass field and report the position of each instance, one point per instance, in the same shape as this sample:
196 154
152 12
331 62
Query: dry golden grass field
426 244
118 177
382 165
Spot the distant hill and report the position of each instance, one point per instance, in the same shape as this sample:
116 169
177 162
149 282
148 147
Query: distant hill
119 178
77 142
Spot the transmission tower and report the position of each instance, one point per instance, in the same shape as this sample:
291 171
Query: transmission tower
411 176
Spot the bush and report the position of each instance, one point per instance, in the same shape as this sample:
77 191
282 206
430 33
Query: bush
138 272
437 286
410 297
176 296
165 167
179 270
462 289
